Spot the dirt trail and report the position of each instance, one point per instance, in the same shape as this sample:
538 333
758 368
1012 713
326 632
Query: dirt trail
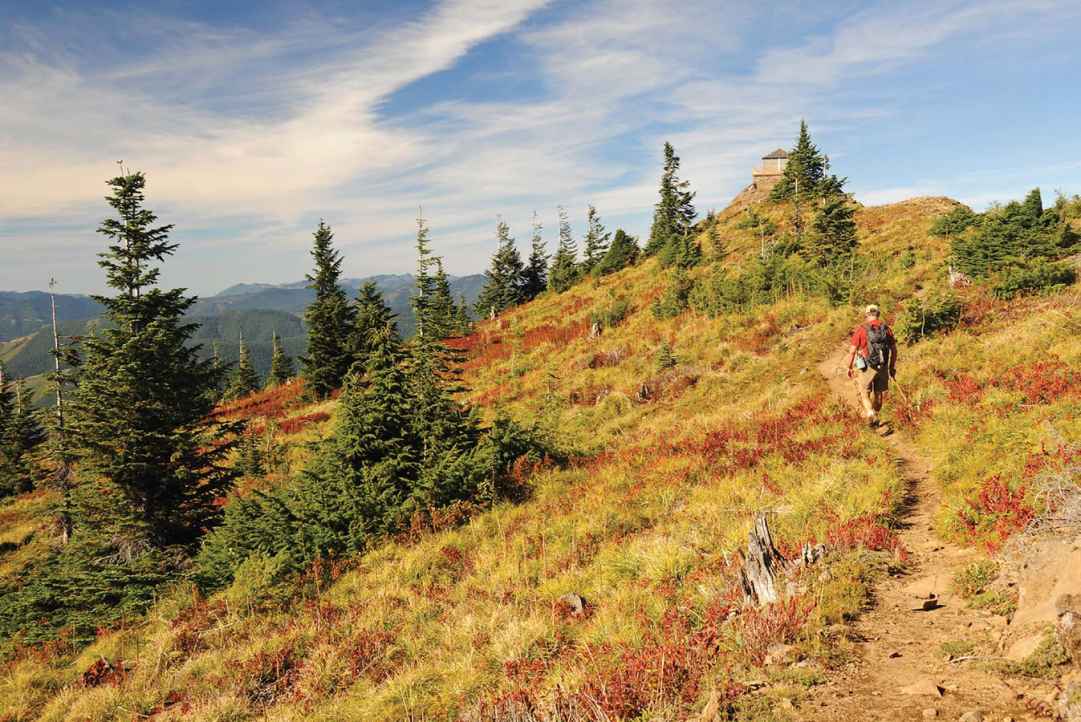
899 647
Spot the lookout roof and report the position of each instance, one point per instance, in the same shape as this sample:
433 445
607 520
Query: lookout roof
779 153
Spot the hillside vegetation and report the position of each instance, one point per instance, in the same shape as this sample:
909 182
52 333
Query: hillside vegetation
679 430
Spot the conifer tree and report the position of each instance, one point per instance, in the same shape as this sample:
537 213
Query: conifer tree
622 253
596 241
805 170
717 246
329 319
20 435
423 300
140 414
442 311
244 380
281 365
563 272
674 213
503 279
217 366
535 278
357 483
684 252
372 318
834 237
463 322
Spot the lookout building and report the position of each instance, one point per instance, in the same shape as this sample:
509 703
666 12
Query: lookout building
766 175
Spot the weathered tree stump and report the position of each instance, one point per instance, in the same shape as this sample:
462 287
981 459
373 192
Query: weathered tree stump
761 565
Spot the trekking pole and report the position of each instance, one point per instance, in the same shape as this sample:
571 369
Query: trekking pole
902 390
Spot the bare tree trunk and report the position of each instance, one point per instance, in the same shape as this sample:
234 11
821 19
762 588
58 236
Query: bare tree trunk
64 472
763 562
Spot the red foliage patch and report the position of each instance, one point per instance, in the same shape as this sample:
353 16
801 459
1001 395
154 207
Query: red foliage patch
368 655
1042 382
996 513
299 423
760 339
557 335
964 389
266 677
272 403
104 672
867 531
777 623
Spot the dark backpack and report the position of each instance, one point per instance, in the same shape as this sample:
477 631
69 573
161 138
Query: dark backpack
878 345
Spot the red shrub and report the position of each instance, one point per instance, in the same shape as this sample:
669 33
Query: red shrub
777 623
557 335
996 511
964 389
269 404
865 531
299 423
268 676
368 655
104 672
1042 382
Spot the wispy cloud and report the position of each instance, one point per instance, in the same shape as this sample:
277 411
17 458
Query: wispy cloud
250 135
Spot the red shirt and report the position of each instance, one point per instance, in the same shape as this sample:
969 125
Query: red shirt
859 337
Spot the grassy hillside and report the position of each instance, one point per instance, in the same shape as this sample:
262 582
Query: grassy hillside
682 429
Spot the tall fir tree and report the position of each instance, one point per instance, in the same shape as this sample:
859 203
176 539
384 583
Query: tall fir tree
373 319
563 273
423 300
535 278
503 279
329 319
281 365
596 241
140 414
622 253
674 214
244 380
442 309
805 171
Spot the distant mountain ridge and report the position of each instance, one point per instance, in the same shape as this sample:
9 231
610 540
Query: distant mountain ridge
258 310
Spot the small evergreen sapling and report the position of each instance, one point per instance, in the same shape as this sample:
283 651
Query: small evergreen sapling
563 272
281 365
535 278
244 380
596 241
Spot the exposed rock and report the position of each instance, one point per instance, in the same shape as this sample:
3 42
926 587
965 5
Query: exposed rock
973 715
575 603
1068 625
779 654
922 686
1069 701
1048 575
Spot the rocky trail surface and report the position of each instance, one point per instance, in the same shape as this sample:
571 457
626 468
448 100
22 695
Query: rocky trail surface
902 671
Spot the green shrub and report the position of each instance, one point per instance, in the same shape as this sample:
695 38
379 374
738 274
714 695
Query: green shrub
1036 277
923 318
611 314
954 223
665 358
676 297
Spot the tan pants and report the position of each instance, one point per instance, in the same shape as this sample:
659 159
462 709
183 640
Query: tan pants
870 385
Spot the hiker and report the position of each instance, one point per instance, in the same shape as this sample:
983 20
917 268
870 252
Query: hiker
874 356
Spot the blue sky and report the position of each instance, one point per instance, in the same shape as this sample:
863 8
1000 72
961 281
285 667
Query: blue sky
253 120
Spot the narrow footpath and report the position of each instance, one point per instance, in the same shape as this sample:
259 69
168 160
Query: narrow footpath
902 672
